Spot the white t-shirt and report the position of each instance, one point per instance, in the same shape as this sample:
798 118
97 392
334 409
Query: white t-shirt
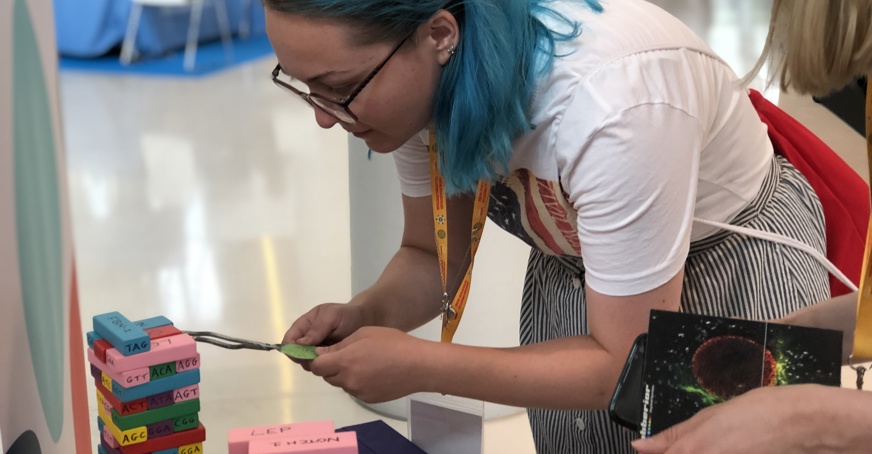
639 127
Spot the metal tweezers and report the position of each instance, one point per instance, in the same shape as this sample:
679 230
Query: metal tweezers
231 343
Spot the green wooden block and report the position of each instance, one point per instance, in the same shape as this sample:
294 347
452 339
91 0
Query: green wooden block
186 422
162 370
159 414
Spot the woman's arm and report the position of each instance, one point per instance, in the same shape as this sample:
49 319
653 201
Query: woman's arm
573 372
839 313
409 291
380 364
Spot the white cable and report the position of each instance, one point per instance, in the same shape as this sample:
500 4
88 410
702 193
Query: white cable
774 237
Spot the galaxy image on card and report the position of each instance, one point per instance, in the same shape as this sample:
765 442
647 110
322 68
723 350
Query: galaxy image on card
694 361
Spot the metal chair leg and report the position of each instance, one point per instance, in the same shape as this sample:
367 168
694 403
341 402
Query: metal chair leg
245 20
128 46
224 27
193 34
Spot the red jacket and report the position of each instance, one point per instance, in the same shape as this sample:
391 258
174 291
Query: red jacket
843 194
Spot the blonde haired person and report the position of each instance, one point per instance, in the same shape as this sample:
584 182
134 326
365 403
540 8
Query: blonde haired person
816 47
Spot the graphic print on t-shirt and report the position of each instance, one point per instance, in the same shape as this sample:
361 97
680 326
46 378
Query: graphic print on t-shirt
536 211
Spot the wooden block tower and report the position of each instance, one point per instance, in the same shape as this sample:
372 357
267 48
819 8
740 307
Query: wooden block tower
147 376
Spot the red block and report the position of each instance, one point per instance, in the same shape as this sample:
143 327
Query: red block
123 408
185 437
100 347
162 331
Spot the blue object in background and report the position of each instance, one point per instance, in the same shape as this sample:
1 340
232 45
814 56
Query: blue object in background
92 28
211 58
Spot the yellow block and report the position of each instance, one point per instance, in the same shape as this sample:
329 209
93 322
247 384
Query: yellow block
107 381
195 448
124 437
101 410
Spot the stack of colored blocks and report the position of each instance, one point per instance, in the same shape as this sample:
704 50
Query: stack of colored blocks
301 438
147 376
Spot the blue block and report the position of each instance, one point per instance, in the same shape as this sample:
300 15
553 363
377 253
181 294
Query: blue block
149 323
153 322
100 424
123 334
92 337
180 380
100 449
167 451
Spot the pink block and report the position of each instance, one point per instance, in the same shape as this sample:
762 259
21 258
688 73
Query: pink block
110 439
186 393
163 350
336 443
187 364
238 439
127 378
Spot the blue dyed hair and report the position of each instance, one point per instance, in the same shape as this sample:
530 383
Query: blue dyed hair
481 103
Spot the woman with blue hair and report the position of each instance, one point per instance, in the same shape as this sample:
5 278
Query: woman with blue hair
604 134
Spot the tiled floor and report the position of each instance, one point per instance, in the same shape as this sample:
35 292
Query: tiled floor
218 203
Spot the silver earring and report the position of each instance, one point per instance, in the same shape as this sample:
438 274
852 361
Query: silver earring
452 50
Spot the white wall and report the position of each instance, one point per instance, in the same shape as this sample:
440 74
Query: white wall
39 393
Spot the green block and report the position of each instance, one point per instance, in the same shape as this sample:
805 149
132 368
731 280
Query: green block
186 422
162 370
157 415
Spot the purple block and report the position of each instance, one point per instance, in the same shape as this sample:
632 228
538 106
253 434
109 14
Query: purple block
160 429
160 400
96 373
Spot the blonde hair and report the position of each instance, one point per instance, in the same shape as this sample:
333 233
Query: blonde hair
817 46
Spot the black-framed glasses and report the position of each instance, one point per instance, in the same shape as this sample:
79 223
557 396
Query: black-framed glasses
338 108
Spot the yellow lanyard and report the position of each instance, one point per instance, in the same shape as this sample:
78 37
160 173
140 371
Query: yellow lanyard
863 337
452 313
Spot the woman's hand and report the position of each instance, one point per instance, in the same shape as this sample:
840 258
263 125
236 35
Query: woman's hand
791 419
326 323
375 364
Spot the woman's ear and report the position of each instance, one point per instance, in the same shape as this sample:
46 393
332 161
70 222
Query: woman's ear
444 34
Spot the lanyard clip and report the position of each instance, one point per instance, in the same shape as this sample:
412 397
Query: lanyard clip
448 312
860 370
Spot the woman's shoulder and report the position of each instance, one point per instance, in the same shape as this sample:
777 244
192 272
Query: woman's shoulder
622 31
629 54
